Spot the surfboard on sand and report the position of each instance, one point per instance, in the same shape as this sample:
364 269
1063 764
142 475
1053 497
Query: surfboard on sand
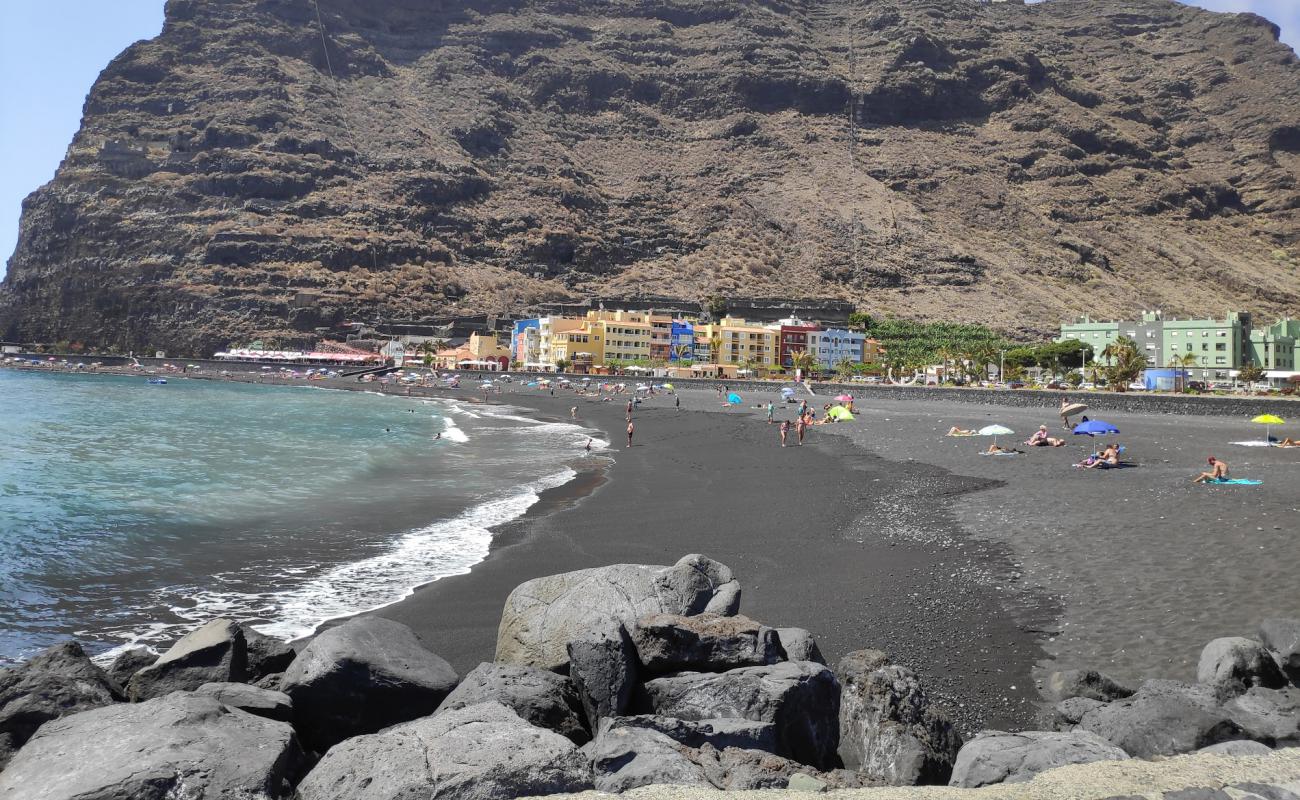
1072 409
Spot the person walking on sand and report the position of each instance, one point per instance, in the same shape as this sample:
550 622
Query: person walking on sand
630 430
800 427
573 412
678 401
629 409
770 411
1218 471
785 430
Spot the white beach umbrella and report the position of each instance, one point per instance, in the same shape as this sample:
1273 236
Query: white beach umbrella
995 431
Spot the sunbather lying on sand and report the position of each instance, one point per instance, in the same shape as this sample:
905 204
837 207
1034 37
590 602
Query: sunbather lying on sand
956 431
1288 442
1041 439
999 450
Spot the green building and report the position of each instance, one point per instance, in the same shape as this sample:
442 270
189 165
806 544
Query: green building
1210 349
1145 332
1273 348
1090 331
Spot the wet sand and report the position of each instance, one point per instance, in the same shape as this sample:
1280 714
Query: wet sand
801 527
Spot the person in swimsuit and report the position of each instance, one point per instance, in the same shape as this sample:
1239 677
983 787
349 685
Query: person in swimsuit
1041 439
770 411
956 431
630 430
1108 458
1218 471
785 431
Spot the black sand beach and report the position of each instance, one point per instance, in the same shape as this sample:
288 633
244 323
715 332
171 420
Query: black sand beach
801 527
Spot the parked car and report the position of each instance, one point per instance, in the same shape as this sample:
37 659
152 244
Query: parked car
1015 385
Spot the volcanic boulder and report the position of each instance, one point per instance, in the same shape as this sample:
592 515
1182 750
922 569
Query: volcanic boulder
213 653
480 752
1163 718
1234 664
888 730
705 643
361 676
181 745
997 757
603 667
539 696
799 698
261 702
543 615
56 682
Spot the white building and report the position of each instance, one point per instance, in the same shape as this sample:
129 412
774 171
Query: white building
833 345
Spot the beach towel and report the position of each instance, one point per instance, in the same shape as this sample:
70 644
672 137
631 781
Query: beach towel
1002 454
972 433
1234 482
1254 443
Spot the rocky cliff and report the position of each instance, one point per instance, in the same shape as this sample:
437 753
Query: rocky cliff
264 167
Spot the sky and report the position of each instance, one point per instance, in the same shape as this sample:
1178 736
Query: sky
51 51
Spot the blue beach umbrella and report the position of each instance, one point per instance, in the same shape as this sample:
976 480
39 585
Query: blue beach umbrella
1094 427
734 399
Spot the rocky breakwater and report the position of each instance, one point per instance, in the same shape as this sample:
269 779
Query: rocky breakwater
609 679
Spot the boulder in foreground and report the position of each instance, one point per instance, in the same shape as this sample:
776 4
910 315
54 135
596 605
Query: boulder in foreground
254 700
212 653
799 645
1271 716
888 730
1163 718
1093 685
267 655
179 746
1234 664
128 663
361 676
1282 637
480 752
799 698
604 670
704 643
997 757
56 682
543 615
539 696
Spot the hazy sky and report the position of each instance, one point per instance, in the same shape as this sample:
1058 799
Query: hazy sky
51 52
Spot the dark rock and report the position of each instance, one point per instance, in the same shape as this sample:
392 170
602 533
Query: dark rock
719 733
603 667
799 645
262 702
888 730
799 698
56 682
179 746
1271 716
1233 664
625 757
1240 747
1067 713
271 682
481 752
543 615
1091 684
539 696
704 643
1282 638
361 676
1163 718
267 655
128 663
996 757
735 769
213 653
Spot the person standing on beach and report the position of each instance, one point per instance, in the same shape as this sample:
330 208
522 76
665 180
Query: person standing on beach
800 427
785 431
573 412
630 430
629 408
770 411
679 402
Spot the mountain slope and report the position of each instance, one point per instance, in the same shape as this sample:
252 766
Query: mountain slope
260 169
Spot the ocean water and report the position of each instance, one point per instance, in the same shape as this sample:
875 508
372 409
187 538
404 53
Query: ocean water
130 512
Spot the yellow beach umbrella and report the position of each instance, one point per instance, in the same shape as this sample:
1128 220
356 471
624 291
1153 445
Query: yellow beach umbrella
1268 420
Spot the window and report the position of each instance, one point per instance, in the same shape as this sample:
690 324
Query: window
1173 333
1151 334
1205 346
1220 346
1205 334
1189 347
1220 360
1222 333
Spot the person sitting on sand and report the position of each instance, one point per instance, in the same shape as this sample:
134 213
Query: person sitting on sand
1108 458
1041 439
1218 471
956 431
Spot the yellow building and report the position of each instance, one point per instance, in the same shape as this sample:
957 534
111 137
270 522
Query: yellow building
626 334
478 352
733 341
581 347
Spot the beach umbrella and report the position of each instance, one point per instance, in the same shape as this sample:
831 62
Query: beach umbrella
668 386
734 399
844 398
840 413
1268 420
1094 427
995 431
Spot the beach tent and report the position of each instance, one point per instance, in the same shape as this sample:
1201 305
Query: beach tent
839 413
734 399
995 431
1268 421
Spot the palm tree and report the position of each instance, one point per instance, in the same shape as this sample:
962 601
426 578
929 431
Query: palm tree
1182 362
1126 363
715 349
803 360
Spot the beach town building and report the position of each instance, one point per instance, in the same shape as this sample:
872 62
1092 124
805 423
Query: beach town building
682 341
661 337
1273 348
627 334
733 341
834 346
526 341
479 352
548 328
792 338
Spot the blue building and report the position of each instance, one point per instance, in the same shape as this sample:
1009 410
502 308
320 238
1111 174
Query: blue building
834 345
682 340
522 341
